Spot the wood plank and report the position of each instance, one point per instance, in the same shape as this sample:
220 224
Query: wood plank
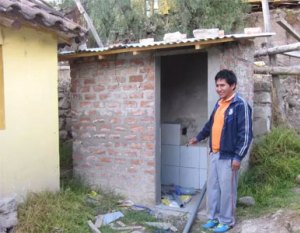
295 54
278 70
284 24
277 49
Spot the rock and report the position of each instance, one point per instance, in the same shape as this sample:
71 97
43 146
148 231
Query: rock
8 205
298 179
247 201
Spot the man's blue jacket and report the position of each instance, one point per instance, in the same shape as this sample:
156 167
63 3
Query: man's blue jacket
237 130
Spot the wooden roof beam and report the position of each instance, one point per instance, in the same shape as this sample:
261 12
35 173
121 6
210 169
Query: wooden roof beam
284 24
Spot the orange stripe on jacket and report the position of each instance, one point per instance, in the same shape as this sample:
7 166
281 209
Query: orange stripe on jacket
219 123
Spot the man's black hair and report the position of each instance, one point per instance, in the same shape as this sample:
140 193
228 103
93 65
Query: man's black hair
228 75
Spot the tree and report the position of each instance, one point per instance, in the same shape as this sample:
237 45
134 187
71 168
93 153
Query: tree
130 20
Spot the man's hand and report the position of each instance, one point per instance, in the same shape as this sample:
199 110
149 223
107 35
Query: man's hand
235 165
192 141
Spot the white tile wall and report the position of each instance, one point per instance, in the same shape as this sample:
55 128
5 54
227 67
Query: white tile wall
170 175
184 166
189 177
190 156
170 155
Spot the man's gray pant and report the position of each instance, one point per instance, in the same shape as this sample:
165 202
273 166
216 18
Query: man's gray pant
221 190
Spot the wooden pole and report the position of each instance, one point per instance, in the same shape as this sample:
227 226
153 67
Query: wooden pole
279 115
89 22
277 49
278 70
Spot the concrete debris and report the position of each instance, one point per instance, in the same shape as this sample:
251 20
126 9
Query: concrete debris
125 203
206 33
93 228
247 201
99 220
162 225
8 213
111 217
298 179
175 36
127 228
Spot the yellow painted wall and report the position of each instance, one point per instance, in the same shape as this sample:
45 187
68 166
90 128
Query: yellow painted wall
29 154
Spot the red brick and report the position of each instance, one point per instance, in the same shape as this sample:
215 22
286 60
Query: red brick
89 96
136 78
151 172
135 162
148 86
119 62
113 87
89 81
104 64
85 119
130 137
130 104
85 89
120 161
118 128
130 120
136 95
147 138
103 96
112 105
115 120
85 103
137 129
99 88
137 61
105 160
146 104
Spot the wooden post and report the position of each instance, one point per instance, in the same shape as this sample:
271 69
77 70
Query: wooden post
89 22
278 113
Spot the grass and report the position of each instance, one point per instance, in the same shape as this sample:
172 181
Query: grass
68 210
274 165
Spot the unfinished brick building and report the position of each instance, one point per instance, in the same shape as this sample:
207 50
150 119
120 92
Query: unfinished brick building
127 101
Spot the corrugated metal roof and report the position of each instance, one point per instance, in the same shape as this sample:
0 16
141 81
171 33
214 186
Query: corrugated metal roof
122 48
39 13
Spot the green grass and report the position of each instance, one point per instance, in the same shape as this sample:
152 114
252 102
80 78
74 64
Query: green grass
274 165
69 210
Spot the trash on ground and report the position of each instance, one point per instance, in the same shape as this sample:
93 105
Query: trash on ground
93 227
111 217
162 225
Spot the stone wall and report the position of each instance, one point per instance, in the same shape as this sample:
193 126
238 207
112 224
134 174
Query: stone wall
113 110
290 88
262 112
64 102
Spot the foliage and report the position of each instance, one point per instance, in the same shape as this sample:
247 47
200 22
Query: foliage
69 210
274 165
127 21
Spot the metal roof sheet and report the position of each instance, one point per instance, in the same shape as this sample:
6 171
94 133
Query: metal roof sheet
121 48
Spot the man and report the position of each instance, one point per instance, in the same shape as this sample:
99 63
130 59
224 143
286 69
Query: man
230 132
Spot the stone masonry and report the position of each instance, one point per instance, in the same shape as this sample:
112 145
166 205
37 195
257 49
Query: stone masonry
113 110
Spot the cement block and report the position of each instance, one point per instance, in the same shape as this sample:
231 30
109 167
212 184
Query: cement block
262 111
263 97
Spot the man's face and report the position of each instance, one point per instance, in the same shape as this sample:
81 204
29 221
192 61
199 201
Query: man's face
223 89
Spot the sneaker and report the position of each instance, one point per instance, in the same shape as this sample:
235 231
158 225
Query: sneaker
221 228
210 223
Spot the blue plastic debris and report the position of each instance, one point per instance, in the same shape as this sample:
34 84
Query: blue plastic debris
111 217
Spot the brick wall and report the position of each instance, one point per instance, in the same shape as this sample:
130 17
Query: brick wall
113 110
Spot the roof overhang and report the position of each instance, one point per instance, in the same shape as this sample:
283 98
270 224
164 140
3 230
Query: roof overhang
137 48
